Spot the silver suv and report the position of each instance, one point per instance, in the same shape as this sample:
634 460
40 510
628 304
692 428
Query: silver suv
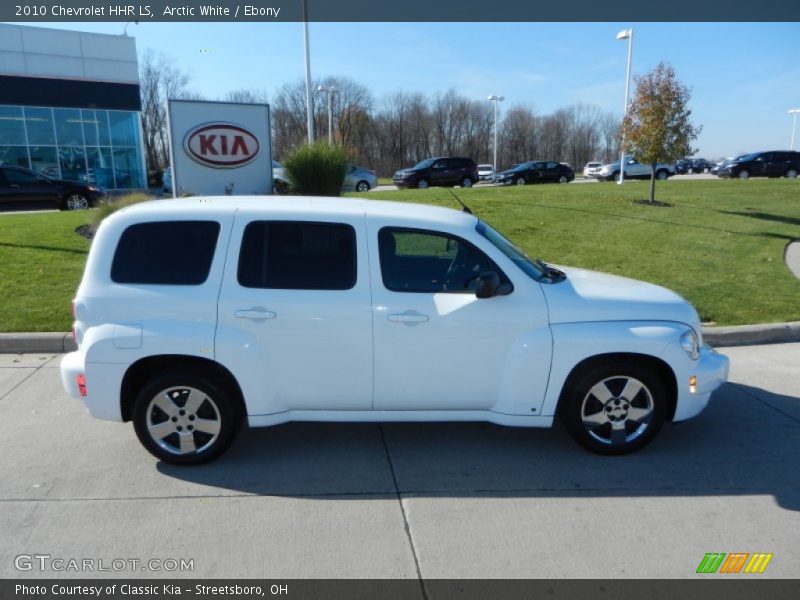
634 170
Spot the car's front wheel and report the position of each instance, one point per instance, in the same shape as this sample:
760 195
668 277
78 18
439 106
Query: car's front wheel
423 184
563 179
744 174
466 182
185 419
76 202
614 409
362 186
662 175
520 181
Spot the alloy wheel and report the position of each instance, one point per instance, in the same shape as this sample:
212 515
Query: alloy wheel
77 202
183 420
617 410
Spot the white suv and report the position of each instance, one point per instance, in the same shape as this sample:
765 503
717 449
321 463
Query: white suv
195 314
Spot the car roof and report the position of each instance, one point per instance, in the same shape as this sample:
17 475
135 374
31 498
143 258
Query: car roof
309 206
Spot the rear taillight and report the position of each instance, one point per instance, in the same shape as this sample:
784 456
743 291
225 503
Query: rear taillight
81 381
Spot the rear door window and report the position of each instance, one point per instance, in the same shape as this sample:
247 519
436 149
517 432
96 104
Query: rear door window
298 255
165 253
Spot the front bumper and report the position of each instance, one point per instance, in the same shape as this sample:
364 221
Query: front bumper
710 371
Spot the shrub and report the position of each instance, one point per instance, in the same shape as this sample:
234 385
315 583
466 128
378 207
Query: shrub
112 205
316 169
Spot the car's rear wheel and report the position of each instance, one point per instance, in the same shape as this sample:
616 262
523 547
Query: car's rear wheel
615 409
362 186
662 175
744 174
185 419
423 184
563 179
520 181
791 173
466 182
76 202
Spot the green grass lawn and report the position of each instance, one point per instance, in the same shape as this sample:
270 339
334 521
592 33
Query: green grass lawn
721 245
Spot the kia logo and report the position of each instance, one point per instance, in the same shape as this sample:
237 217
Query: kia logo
221 145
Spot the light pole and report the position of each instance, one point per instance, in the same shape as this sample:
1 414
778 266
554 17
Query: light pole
625 34
794 112
330 89
495 99
309 118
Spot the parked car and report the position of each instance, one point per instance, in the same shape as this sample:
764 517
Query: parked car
166 180
441 171
22 187
591 168
777 163
537 171
280 181
721 164
485 172
682 166
359 179
634 170
196 313
699 165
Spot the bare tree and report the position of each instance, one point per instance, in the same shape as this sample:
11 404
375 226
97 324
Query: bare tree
248 96
159 80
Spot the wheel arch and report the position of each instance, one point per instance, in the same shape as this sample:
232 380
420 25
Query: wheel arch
144 369
661 368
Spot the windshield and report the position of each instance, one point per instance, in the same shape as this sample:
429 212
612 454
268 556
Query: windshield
748 157
517 256
523 166
424 164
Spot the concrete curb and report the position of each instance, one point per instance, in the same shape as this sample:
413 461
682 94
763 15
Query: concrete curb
20 343
751 335
739 335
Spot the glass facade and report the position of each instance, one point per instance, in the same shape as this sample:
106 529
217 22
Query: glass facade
101 147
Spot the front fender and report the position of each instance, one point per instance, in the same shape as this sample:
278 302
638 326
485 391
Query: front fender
575 342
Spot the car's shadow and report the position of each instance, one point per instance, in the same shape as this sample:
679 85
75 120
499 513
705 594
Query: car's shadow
746 443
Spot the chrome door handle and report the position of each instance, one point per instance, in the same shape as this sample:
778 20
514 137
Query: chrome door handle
255 314
409 318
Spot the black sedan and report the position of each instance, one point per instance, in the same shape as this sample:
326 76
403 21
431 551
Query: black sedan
537 171
23 187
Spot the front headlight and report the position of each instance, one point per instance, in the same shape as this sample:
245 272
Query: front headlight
690 344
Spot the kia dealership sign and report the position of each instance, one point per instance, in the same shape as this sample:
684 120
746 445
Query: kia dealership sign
221 145
219 148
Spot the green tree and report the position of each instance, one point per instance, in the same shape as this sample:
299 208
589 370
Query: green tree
317 169
658 127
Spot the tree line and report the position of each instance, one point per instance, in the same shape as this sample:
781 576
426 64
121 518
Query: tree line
397 129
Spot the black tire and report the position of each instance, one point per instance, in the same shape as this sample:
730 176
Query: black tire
744 174
423 184
662 175
520 181
563 179
791 173
223 408
613 177
466 182
362 186
598 437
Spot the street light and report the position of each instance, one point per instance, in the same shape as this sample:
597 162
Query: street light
794 112
330 89
625 34
309 118
495 99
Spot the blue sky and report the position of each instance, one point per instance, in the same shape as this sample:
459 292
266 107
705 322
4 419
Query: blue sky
744 76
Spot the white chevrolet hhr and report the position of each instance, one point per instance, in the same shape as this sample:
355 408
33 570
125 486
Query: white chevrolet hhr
196 314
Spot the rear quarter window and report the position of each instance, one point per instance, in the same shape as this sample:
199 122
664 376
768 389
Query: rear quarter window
165 253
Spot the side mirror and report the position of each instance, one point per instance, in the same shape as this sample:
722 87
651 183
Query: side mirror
488 285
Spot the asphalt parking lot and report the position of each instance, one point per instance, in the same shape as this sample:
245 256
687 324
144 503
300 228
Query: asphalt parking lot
430 500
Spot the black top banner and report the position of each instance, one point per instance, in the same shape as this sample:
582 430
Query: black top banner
404 11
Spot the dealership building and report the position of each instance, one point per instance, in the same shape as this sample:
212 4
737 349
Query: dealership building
70 106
